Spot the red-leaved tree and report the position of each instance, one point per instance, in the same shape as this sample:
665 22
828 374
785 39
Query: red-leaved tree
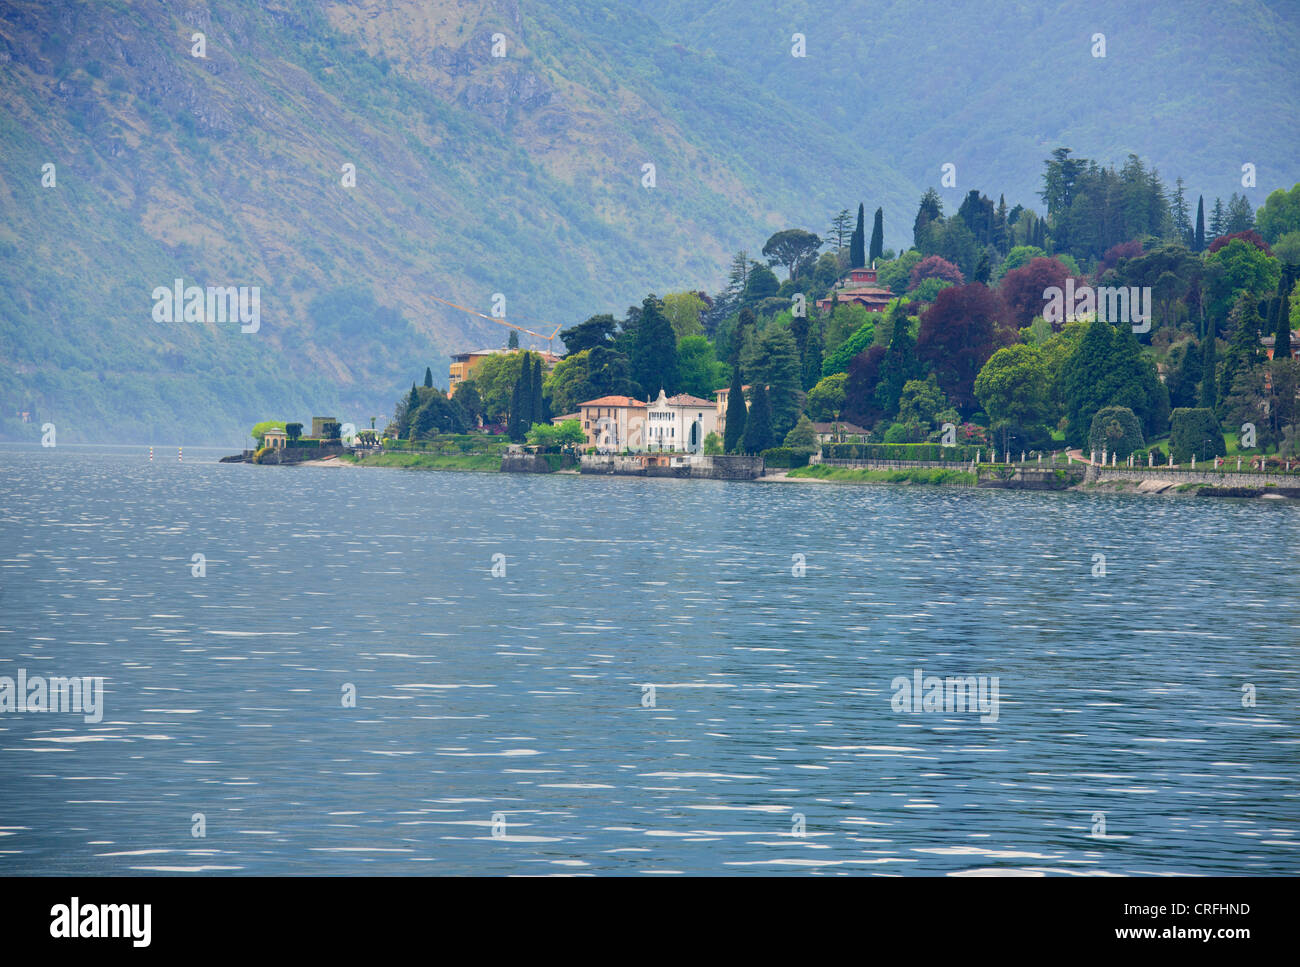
1022 289
934 267
1249 235
1124 250
959 332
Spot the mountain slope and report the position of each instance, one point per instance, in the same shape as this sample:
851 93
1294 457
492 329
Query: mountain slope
476 175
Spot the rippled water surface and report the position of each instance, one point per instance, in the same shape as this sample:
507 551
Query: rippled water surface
521 699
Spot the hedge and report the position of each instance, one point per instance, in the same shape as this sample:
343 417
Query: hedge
787 457
903 451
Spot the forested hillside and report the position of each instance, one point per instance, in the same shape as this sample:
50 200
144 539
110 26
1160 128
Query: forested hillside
522 174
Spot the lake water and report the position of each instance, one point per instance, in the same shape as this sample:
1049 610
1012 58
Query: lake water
502 724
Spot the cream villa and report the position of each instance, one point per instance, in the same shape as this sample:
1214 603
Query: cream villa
679 422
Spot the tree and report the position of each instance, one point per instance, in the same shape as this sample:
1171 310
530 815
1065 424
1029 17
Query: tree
1238 267
736 414
935 267
683 310
840 229
1115 429
1244 351
812 354
1280 214
713 445
743 332
1209 364
513 341
772 361
1240 215
761 284
899 365
802 438
1218 218
877 236
1022 290
793 248
826 399
496 376
520 402
1199 242
958 334
758 426
654 355
860 387
1012 389
1182 223
548 436
698 372
467 396
1282 333
589 375
1183 372
921 402
1108 368
1195 433
929 210
857 244
596 331
537 409
858 341
435 414
428 378
294 431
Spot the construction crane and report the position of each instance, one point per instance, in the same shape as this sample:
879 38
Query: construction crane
502 322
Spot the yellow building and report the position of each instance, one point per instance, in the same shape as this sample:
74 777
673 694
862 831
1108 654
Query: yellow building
464 364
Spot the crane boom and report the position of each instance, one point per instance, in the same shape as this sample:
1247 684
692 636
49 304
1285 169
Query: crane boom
475 312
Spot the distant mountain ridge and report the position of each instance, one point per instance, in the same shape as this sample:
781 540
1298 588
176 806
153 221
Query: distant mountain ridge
474 175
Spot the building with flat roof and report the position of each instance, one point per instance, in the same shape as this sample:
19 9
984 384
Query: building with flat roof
464 364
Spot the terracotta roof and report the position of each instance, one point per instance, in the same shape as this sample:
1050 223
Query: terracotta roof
686 399
843 427
613 401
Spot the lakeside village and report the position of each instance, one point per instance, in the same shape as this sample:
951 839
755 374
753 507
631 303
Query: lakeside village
1114 340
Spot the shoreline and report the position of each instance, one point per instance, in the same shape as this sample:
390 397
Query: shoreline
1153 486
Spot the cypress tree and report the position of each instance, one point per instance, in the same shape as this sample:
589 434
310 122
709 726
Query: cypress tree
1209 393
812 356
758 427
1282 333
857 244
1200 223
539 401
877 236
513 341
428 378
736 415
412 404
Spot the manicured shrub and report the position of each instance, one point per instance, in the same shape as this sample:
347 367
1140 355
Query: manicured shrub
1115 429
